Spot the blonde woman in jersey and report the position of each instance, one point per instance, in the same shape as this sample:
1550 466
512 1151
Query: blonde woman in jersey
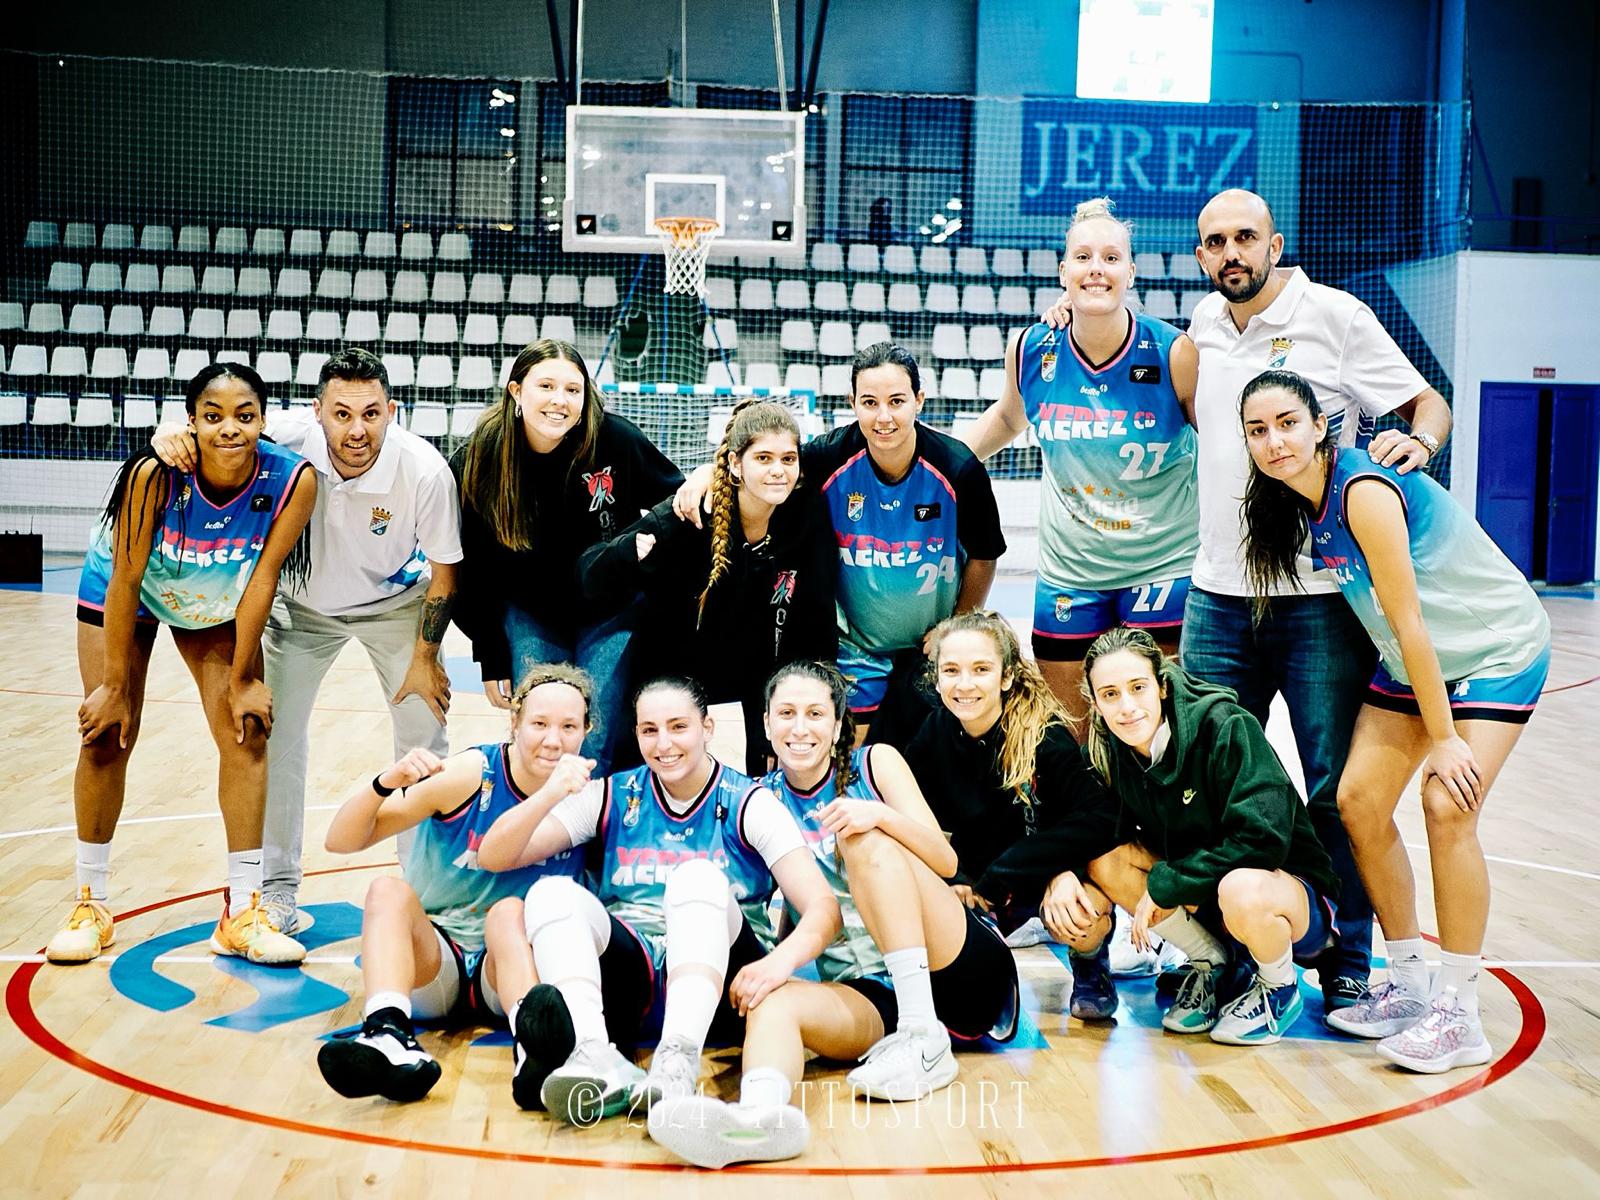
911 959
444 941
1109 398
1463 650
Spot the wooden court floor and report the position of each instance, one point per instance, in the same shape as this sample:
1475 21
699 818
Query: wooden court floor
158 1072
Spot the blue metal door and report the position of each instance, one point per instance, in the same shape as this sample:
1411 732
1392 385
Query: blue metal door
1574 474
1508 457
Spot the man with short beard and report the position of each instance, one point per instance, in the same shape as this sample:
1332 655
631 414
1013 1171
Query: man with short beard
385 543
1307 645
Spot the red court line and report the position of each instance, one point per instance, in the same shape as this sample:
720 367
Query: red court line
1567 687
19 1004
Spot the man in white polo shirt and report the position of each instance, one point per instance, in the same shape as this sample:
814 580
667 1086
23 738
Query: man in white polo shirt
385 541
1308 646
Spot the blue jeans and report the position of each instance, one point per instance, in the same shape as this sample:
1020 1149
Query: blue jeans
603 650
1313 651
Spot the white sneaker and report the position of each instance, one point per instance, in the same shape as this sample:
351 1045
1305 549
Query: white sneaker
1127 960
1448 1037
1381 1012
1194 1009
595 1082
288 916
674 1074
907 1065
1030 933
712 1133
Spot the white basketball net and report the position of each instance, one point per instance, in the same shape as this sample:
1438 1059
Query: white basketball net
686 242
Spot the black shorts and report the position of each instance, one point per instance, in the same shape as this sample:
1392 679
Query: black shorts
976 995
470 1007
634 997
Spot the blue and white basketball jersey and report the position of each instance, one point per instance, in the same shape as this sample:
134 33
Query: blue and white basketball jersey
853 954
642 839
442 867
1482 616
900 558
205 551
1120 502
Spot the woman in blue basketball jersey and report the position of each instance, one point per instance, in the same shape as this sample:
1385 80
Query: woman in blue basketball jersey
917 533
445 941
688 853
886 860
200 553
752 591
1108 398
1463 648
547 473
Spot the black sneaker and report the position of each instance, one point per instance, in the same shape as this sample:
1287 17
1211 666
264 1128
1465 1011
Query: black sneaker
1170 982
1342 991
542 1041
384 1059
1094 992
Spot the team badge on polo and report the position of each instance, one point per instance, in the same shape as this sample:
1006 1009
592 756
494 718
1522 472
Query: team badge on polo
1280 352
380 521
1047 366
855 505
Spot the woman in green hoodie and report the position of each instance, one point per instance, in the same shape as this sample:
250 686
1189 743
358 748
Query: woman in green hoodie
1222 849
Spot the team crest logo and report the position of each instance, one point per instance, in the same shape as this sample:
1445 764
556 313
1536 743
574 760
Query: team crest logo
1047 366
600 485
1280 352
783 589
485 794
380 521
855 505
630 814
182 501
1063 608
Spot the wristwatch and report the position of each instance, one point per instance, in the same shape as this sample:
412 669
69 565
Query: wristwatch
1427 441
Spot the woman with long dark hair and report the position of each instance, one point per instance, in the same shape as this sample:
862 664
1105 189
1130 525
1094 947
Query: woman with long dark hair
546 474
199 552
1463 648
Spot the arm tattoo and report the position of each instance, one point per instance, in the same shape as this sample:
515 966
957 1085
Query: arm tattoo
436 618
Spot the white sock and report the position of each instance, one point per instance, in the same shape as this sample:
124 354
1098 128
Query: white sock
913 986
1460 971
691 1003
765 1087
565 954
1408 968
94 867
379 1000
244 878
1278 972
1193 938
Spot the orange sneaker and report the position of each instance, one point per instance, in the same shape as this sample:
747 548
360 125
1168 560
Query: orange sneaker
89 930
252 935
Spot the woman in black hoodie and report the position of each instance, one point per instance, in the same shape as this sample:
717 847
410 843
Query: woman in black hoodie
731 603
1000 769
1216 843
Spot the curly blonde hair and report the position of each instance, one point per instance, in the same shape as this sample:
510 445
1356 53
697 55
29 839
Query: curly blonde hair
750 419
1028 708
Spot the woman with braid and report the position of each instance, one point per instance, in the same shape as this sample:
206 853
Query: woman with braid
911 968
750 592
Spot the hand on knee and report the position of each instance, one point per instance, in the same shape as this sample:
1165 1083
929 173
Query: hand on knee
1444 817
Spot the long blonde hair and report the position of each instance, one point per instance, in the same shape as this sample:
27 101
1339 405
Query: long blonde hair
491 483
1136 641
750 419
1028 708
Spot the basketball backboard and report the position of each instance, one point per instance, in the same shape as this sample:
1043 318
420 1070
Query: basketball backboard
628 166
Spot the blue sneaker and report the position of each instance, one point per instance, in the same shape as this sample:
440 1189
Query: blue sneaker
1260 1015
1094 992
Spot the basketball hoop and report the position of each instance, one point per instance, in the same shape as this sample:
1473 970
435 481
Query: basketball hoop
686 242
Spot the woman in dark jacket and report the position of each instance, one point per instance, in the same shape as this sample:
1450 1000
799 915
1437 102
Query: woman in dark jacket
1215 840
547 474
751 592
1000 769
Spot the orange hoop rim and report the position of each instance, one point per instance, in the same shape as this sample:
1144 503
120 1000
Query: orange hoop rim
686 232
